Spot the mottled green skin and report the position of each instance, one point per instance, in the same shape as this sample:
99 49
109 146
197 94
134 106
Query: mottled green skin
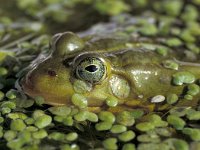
128 59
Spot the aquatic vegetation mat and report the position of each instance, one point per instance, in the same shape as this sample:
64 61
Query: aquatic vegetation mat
161 26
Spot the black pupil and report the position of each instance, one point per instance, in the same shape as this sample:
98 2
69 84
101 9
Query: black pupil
91 68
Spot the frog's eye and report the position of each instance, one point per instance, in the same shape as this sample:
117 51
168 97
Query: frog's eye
91 69
66 43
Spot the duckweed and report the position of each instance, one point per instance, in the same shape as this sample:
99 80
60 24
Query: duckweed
193 48
17 115
125 118
162 51
58 118
194 145
15 144
71 136
187 36
112 101
126 136
81 116
70 147
110 143
177 144
1 95
149 146
57 136
3 71
130 29
25 136
40 134
29 121
65 147
79 100
8 104
180 78
60 111
74 111
193 89
1 120
163 132
188 97
1 132
137 113
43 121
32 128
106 116
5 110
148 138
102 126
37 113
118 128
179 111
23 103
10 135
145 126
193 133
92 117
170 64
192 114
176 122
17 125
11 94
128 146
190 12
172 8
173 42
81 86
149 30
39 100
68 121
156 120
172 98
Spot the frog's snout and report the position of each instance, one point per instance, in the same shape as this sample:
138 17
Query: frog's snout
27 83
50 80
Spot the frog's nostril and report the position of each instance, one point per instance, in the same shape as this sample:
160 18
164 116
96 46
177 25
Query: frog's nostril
29 77
52 73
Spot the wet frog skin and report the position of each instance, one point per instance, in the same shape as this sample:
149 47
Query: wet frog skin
110 73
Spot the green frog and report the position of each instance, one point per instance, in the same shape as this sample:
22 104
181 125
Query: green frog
111 73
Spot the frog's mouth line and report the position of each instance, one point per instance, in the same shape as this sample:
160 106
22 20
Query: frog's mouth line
29 90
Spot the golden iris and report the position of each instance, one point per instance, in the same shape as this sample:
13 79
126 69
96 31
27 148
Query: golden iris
91 69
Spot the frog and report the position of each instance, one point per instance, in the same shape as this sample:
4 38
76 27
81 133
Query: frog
108 73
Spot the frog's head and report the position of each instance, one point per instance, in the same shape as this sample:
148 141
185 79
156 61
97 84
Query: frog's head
69 69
